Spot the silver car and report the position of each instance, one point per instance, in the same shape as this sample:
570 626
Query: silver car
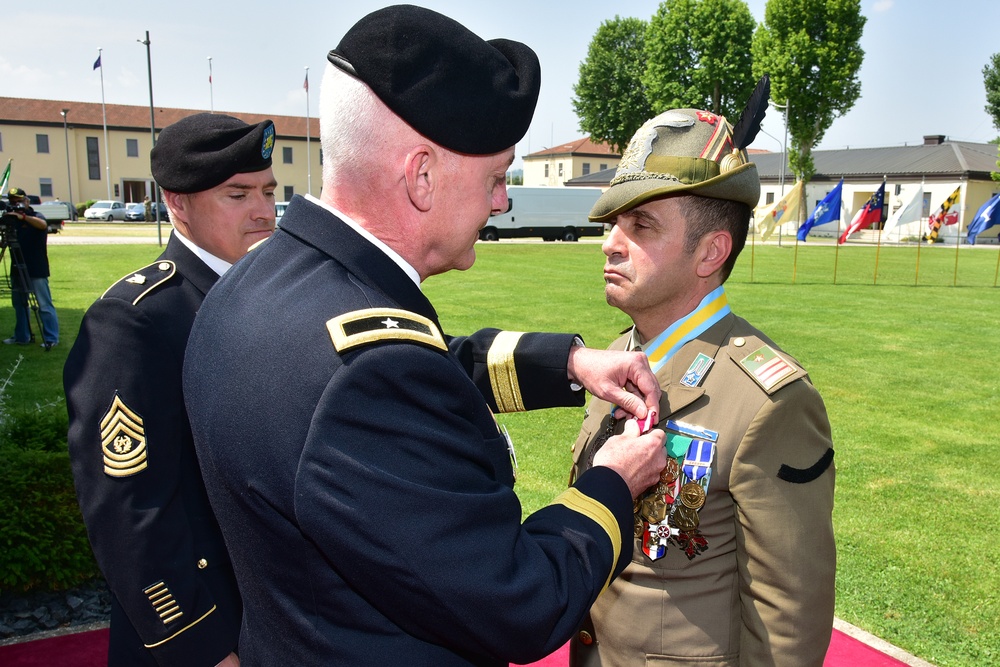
105 209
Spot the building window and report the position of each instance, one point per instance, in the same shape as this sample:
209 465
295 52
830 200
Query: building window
927 205
289 192
546 170
93 160
586 168
132 147
44 187
286 155
560 169
1 142
604 165
769 198
899 188
42 143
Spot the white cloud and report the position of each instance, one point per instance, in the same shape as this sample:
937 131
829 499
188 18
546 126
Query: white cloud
882 5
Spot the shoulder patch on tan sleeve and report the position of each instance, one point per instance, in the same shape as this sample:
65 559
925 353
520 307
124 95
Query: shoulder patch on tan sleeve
770 369
123 440
376 325
138 284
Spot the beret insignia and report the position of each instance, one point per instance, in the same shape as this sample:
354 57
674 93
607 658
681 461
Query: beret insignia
375 325
123 440
267 143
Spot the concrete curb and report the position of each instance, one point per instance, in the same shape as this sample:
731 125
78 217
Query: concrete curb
879 644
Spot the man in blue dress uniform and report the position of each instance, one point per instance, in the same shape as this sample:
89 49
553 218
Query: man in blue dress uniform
174 597
349 447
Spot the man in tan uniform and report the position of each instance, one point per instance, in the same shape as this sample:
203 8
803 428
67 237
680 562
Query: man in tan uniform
735 559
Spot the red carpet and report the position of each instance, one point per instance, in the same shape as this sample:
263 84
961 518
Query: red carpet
90 649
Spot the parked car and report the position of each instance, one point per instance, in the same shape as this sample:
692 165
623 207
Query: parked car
105 209
137 211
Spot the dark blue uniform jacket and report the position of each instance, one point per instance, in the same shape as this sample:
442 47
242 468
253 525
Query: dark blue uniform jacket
137 477
358 474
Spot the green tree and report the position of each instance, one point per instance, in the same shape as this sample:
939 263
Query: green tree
811 49
609 97
698 56
991 79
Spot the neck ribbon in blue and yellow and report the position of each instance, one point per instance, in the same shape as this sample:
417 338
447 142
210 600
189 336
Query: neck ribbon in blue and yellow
712 308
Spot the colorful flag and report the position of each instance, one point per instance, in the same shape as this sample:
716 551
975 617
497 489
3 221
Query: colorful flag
912 212
826 211
987 216
97 63
870 213
306 84
938 219
5 178
786 210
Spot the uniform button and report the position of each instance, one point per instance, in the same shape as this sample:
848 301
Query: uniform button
739 342
202 563
585 638
164 266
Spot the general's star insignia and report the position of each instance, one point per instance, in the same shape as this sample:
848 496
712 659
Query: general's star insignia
136 279
390 323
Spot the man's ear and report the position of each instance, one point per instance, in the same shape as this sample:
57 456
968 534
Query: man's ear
177 203
420 181
713 251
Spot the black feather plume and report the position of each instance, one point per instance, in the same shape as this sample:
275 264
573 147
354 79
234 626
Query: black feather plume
748 125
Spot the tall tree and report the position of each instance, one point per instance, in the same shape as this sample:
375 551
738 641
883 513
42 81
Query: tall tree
609 97
812 50
698 56
991 79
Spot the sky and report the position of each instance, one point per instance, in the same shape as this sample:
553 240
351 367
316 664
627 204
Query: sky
922 72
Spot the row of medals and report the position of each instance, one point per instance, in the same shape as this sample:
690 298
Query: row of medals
672 503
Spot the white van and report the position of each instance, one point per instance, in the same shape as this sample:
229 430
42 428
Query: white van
552 213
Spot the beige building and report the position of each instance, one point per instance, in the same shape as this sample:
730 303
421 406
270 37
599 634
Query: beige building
59 147
555 166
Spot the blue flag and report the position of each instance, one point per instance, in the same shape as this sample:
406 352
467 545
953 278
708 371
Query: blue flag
987 216
97 63
826 211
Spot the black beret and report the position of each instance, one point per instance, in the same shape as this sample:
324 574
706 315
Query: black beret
467 94
204 150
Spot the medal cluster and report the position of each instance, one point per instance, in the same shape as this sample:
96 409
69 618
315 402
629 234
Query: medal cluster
668 513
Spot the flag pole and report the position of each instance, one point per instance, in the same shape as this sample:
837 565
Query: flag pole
152 136
836 252
958 228
753 245
104 111
878 239
920 242
996 273
795 257
211 93
309 178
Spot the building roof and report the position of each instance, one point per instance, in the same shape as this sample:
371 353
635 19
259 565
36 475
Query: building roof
20 111
948 159
581 147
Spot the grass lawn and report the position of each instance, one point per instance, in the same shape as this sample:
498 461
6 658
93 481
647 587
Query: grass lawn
907 373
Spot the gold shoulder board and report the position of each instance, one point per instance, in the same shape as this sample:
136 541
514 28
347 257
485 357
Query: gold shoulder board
138 284
374 325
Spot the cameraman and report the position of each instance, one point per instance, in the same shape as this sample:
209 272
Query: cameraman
32 236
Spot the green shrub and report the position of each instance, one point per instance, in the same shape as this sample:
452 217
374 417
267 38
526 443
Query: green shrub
40 430
43 542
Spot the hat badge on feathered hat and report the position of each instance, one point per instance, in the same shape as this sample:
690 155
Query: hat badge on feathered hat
688 151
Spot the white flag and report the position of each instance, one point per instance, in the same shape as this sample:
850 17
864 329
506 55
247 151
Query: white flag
912 212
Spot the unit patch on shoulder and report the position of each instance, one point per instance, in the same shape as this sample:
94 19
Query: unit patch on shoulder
138 284
123 440
767 367
375 325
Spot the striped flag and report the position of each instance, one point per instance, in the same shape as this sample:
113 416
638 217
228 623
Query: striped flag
5 178
786 210
941 216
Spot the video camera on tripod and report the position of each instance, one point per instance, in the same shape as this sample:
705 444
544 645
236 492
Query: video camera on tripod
18 278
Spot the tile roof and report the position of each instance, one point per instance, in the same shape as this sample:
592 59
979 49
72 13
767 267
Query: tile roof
582 146
22 111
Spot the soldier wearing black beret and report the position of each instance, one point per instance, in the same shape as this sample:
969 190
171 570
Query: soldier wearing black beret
349 446
174 596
